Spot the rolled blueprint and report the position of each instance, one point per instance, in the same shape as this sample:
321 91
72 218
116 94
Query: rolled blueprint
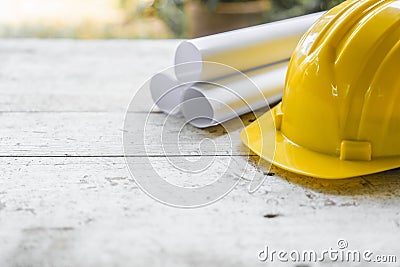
208 104
166 92
241 49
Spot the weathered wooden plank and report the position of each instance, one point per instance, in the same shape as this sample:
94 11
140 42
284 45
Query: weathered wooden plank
100 133
65 75
88 212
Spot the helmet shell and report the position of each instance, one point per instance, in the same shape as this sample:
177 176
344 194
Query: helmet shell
343 82
339 115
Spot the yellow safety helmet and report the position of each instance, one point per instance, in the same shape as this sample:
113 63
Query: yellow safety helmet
340 112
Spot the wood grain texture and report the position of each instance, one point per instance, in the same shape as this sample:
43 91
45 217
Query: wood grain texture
68 199
100 134
64 75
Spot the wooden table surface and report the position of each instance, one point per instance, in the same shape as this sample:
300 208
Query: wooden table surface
67 198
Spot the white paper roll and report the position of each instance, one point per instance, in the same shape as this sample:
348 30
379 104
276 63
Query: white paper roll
242 49
206 104
166 92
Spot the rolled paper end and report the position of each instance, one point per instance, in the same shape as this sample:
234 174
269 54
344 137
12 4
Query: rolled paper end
166 92
188 53
197 109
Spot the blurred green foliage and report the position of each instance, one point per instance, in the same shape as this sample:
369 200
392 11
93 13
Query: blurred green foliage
172 11
281 9
212 4
139 18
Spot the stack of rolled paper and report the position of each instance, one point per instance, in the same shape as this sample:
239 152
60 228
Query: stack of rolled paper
222 76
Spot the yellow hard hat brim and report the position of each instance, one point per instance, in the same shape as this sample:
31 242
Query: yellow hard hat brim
261 137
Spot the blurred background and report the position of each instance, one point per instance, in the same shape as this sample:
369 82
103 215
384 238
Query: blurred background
102 19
